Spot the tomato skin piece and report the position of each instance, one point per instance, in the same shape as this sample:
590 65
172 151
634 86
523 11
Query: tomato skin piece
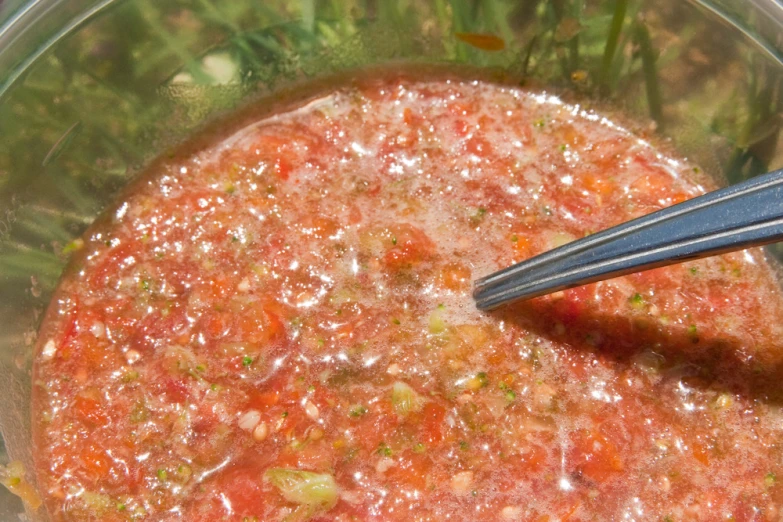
485 42
95 462
236 492
592 456
409 247
431 423
90 411
175 390
411 470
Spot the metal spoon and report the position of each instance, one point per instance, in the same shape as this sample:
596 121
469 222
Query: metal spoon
740 216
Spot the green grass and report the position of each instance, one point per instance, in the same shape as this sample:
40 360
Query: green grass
147 74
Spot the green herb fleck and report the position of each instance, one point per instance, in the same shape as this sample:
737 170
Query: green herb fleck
247 361
394 240
464 446
694 270
770 479
508 393
384 450
482 379
162 475
395 321
120 506
285 414
514 238
636 301
419 448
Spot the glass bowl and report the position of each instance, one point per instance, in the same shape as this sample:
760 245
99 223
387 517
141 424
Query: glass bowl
92 90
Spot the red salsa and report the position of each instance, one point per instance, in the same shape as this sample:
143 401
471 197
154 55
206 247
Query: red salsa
279 326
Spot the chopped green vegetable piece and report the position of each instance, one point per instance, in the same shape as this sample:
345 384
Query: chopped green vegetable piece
247 361
314 491
357 410
463 445
419 448
770 479
162 475
183 473
130 376
405 398
436 324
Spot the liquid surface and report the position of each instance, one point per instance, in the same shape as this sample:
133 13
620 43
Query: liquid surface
280 327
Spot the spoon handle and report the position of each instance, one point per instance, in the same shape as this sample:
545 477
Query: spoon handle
740 216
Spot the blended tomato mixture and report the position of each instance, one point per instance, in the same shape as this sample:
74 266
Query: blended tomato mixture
279 326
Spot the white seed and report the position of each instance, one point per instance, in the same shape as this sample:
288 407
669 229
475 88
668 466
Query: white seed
244 285
511 513
49 350
461 482
97 329
250 420
260 432
393 369
544 396
311 410
132 356
384 464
